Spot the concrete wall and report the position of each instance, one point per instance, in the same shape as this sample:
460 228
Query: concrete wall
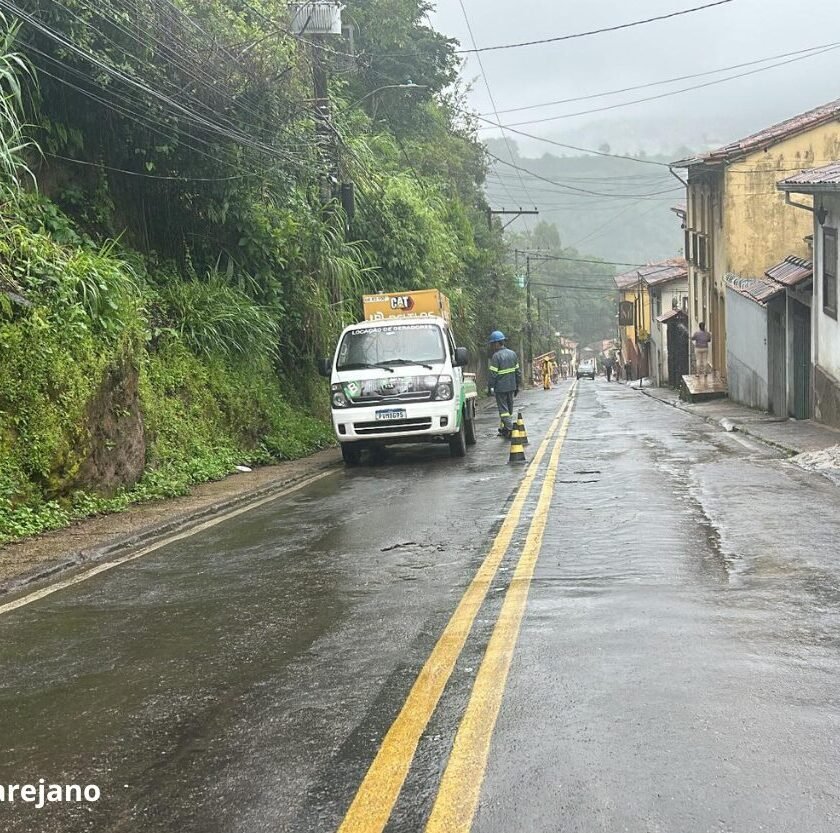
759 227
826 330
746 351
826 398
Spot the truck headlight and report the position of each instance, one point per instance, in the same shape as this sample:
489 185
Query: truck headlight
339 400
444 389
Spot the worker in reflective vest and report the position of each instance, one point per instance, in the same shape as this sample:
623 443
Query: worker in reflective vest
505 379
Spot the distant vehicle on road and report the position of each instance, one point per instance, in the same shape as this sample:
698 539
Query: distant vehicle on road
586 368
399 378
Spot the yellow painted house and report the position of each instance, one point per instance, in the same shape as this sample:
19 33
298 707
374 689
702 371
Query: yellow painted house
634 313
737 222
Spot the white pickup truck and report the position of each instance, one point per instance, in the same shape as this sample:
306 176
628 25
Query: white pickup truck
400 379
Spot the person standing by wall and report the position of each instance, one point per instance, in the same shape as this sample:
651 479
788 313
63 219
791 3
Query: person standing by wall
505 379
702 339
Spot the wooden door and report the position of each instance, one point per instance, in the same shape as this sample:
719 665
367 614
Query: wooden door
801 360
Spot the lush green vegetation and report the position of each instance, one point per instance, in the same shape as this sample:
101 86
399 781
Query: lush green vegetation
571 292
187 253
183 232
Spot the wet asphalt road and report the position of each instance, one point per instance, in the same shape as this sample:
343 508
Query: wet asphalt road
677 667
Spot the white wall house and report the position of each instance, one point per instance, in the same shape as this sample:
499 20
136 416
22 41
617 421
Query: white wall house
668 291
824 185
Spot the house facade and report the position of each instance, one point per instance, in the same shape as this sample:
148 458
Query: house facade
821 186
633 321
668 291
637 307
737 221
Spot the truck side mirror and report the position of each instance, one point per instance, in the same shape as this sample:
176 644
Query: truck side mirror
462 357
325 367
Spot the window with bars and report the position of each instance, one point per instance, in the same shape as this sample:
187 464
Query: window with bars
829 278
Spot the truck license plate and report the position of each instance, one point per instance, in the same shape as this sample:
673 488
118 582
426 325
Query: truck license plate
390 414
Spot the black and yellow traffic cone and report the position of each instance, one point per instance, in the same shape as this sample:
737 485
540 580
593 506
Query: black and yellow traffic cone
517 449
520 425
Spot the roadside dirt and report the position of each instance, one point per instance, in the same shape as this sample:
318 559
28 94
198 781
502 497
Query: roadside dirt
44 555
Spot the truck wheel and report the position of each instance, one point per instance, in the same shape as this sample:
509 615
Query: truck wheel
351 454
458 442
469 428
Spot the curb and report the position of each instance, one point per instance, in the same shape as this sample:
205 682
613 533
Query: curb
153 532
725 423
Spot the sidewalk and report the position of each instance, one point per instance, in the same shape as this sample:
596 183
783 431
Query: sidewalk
789 435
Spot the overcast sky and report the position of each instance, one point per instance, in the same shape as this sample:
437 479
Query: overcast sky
735 33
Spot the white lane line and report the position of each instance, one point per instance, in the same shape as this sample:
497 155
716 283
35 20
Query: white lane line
104 566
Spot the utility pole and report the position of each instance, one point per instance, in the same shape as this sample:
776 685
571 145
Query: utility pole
503 211
530 324
315 20
323 118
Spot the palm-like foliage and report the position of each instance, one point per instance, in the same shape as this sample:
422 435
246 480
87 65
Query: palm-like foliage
216 319
13 68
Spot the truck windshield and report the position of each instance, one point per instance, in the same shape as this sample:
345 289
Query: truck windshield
400 344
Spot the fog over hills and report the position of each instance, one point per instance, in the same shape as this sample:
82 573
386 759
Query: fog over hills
689 82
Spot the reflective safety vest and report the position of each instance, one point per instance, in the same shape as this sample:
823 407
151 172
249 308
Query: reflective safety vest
504 371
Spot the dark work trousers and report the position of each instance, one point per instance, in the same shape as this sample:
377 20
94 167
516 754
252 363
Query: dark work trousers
504 402
608 368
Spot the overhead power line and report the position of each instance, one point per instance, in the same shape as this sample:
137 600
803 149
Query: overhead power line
176 178
590 260
581 190
595 31
469 114
565 145
493 102
705 84
196 118
664 81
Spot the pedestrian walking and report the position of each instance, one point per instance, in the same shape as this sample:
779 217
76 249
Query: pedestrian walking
702 339
505 379
609 363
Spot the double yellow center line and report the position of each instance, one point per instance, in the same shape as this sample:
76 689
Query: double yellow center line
459 790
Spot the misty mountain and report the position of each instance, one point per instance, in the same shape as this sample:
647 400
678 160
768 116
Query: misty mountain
617 209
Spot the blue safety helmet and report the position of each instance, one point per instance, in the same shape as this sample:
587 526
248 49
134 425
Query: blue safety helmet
496 335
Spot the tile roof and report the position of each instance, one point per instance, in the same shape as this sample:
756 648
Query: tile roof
674 268
791 271
826 178
767 137
760 290
675 312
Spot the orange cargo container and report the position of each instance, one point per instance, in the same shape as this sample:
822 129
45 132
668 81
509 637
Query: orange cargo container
420 303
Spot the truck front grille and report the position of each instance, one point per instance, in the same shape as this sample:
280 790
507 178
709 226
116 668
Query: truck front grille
411 396
396 426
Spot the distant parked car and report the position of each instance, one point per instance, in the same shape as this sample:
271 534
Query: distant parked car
586 368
